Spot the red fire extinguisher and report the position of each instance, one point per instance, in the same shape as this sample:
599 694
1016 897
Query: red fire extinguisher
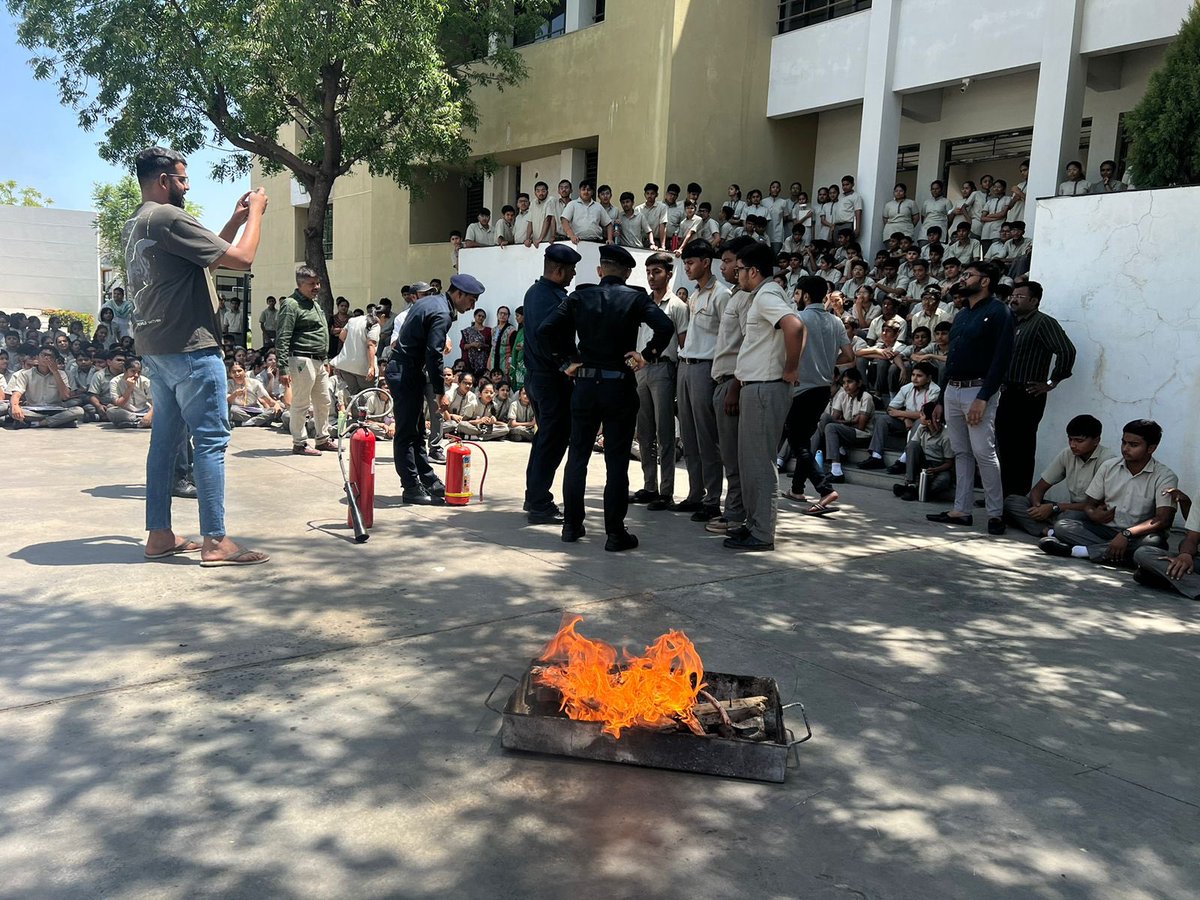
458 473
362 475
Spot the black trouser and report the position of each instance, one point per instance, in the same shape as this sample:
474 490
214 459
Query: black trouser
550 397
612 403
802 420
407 384
1018 415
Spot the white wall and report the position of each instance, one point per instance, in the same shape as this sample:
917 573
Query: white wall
940 42
837 146
1116 277
49 259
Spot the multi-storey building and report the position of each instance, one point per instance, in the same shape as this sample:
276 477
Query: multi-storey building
746 91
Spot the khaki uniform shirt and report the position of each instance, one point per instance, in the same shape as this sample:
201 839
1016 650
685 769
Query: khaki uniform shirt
677 312
762 355
587 220
37 389
632 230
480 235
1075 473
1134 497
705 308
730 333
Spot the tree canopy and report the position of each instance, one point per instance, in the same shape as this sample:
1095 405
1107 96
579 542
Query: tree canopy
13 194
379 84
1165 125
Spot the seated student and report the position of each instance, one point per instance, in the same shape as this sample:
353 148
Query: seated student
80 379
937 269
504 401
38 395
522 425
964 248
952 275
1129 504
1075 466
481 420
889 314
729 230
845 420
863 311
997 248
826 268
921 340
902 415
4 401
794 272
928 451
857 342
920 282
883 365
1156 568
858 278
795 243
854 254
907 261
462 401
132 406
891 285
250 403
933 239
931 312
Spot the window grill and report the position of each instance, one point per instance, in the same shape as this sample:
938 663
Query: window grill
795 14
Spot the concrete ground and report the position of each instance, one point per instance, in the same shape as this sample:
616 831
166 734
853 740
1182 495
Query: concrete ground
989 722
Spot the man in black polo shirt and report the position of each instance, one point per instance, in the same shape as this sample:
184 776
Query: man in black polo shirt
1037 339
606 317
981 345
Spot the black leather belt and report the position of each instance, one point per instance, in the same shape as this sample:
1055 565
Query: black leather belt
693 362
322 357
965 382
721 379
604 374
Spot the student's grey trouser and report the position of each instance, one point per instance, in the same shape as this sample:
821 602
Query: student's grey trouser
1150 558
727 436
698 422
656 426
764 409
1081 532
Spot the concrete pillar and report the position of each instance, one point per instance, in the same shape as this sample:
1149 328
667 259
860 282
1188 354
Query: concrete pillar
880 133
1059 110
573 165
500 188
1105 129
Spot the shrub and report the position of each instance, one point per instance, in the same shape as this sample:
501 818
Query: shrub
69 315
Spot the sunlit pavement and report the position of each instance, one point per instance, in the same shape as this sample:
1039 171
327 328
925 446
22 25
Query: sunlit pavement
989 722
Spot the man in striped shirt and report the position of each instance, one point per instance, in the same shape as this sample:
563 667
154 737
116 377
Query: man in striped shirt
1038 339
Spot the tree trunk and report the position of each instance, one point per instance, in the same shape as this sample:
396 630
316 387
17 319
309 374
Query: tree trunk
314 240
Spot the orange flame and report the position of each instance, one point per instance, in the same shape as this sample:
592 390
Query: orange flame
652 690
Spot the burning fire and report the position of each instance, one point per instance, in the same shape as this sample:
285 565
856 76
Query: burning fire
654 690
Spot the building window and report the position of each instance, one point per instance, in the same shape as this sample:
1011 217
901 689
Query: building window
907 158
795 14
554 26
474 194
327 232
599 14
591 163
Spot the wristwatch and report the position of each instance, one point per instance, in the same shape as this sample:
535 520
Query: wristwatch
1056 509
1126 533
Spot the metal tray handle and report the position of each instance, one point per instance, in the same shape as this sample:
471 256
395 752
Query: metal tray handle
807 728
492 693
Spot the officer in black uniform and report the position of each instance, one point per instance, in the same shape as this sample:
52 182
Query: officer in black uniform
417 363
548 388
606 318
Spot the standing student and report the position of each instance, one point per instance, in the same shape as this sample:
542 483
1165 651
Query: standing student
768 369
697 420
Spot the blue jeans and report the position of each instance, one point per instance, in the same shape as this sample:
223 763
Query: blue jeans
189 394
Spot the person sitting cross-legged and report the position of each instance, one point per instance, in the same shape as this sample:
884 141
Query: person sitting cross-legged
1159 569
38 395
522 423
928 451
902 415
132 406
845 420
1075 467
1129 504
482 420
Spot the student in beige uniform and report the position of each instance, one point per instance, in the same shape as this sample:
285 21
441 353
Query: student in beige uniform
768 368
631 228
584 219
655 216
1158 569
480 232
656 392
1129 504
522 424
539 212
131 404
1074 468
44 385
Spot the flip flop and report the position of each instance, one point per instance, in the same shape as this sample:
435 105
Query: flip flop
818 510
795 498
241 558
184 546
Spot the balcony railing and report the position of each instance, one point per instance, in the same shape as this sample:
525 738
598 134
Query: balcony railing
795 14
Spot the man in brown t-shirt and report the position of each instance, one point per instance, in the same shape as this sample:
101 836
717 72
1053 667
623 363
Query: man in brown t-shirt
169 257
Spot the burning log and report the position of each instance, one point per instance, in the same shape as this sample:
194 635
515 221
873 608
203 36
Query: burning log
728 711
